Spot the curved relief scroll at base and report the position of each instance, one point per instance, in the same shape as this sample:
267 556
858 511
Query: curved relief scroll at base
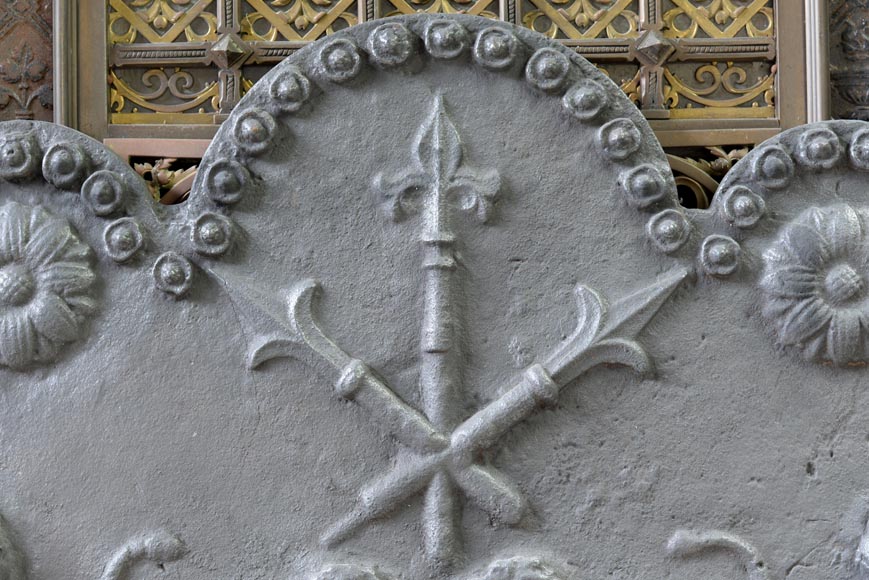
843 555
158 547
685 543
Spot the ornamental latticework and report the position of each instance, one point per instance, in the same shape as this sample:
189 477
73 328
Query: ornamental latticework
190 61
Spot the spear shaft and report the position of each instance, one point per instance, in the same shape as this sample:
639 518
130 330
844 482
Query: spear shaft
439 377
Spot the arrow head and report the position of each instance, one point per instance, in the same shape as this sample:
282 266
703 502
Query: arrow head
268 334
630 315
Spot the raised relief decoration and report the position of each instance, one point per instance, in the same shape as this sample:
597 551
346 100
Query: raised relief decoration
394 334
444 443
446 446
46 285
160 547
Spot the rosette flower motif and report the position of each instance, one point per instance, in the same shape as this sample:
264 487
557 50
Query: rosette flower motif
815 281
46 285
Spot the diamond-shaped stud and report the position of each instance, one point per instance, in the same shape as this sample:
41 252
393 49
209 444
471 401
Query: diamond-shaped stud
652 48
229 51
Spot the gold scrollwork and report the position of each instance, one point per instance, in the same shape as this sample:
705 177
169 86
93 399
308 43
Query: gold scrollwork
699 172
303 20
733 15
730 80
178 85
159 21
583 19
630 85
633 88
474 7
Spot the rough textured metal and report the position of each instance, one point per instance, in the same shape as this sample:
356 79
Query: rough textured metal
396 333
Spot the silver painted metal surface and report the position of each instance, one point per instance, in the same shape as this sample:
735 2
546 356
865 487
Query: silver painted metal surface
395 333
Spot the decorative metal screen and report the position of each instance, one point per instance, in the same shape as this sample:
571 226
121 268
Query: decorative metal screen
674 58
190 61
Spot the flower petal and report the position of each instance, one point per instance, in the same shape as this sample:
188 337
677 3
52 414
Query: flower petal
65 278
815 349
843 337
17 339
46 349
81 305
53 318
806 245
790 282
805 319
13 232
75 252
777 308
842 228
777 256
46 244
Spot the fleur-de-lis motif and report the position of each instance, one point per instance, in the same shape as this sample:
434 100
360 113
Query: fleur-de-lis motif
438 185
444 463
438 179
25 72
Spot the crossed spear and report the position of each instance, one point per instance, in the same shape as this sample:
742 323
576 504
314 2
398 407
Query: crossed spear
445 450
603 335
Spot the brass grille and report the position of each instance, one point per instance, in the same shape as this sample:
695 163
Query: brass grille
190 61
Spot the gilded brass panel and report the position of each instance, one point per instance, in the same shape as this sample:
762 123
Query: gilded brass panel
295 20
680 61
161 21
718 18
740 89
187 61
696 58
487 8
163 96
582 19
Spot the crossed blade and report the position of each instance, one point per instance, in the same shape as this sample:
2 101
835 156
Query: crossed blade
488 488
603 336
